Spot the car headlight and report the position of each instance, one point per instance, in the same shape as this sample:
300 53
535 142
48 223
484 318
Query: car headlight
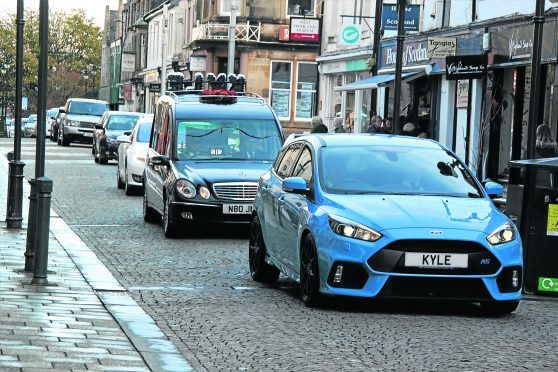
351 229
73 123
110 140
186 189
204 192
503 234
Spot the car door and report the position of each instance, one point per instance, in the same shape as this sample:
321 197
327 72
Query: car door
272 211
292 209
98 133
161 146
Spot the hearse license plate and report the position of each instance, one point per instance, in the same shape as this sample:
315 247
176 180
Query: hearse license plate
237 208
436 260
87 134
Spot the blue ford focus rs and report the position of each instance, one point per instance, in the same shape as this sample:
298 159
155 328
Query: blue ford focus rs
383 217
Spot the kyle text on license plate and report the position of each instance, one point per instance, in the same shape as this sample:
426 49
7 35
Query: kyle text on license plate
237 208
436 260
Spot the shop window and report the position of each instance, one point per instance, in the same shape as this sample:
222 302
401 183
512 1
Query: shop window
300 7
280 88
306 90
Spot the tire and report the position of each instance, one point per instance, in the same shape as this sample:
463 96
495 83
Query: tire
128 189
149 214
499 307
169 226
260 270
309 273
64 141
119 182
58 141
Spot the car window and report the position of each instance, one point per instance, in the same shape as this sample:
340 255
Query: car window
391 170
121 123
227 139
287 162
143 132
87 108
303 167
164 134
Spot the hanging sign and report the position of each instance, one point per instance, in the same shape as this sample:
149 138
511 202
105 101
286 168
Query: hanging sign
350 34
466 67
304 29
441 47
390 17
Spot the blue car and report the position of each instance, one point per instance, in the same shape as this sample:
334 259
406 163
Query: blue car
383 217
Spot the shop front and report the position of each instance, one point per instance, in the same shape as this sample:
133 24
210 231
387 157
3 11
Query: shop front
508 92
152 90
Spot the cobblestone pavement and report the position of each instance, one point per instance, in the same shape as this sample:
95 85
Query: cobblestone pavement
199 292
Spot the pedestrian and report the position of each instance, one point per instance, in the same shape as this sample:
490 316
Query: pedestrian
545 147
338 125
386 125
375 125
318 125
409 129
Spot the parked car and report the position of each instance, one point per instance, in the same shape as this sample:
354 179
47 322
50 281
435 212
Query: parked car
77 122
54 123
51 122
205 157
112 125
131 155
30 129
386 217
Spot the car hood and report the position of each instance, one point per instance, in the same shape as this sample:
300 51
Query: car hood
85 118
384 212
222 171
139 147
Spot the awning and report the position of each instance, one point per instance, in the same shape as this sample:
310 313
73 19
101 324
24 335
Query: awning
374 82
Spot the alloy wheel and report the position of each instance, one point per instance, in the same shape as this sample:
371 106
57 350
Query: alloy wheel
309 273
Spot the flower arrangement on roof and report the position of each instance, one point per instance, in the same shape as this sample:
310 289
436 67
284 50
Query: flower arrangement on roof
219 92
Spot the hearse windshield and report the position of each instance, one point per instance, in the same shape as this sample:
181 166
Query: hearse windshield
221 139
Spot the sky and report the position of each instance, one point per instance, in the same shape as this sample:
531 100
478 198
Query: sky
93 8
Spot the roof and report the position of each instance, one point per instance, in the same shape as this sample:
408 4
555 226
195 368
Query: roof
131 113
244 108
88 100
365 139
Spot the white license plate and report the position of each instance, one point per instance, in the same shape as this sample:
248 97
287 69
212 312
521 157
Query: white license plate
437 260
87 134
237 208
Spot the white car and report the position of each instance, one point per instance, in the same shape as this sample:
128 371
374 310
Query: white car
30 128
132 152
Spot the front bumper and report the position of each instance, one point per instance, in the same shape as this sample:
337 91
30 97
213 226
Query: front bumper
109 151
211 212
489 275
135 171
77 134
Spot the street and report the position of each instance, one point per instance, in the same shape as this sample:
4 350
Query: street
199 291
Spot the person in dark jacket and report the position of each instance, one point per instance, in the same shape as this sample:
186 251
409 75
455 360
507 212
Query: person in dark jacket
338 125
318 125
375 125
545 147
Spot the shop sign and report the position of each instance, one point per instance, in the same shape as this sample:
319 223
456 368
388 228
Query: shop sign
198 63
127 91
304 29
466 67
441 47
343 66
548 284
413 54
128 62
155 87
390 18
462 94
284 33
350 34
552 224
151 77
516 43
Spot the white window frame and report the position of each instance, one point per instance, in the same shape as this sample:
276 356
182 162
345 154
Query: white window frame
303 90
226 12
290 90
297 15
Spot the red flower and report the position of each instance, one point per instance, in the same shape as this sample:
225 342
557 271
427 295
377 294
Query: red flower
219 92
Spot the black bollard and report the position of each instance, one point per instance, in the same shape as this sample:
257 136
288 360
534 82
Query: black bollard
31 223
43 187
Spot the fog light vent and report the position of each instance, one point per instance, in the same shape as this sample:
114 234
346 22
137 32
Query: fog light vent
515 278
510 279
338 274
186 215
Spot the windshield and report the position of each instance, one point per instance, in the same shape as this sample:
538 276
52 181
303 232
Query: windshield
32 119
53 113
391 170
228 139
121 123
87 108
144 132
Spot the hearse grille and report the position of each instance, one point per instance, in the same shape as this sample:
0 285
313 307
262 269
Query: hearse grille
241 191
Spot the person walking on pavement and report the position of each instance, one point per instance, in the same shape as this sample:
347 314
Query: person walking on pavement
545 147
318 125
338 125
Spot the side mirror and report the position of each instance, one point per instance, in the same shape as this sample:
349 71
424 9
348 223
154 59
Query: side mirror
123 139
128 132
98 126
159 160
493 189
62 110
296 185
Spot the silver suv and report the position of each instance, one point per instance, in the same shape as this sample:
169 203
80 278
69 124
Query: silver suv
77 124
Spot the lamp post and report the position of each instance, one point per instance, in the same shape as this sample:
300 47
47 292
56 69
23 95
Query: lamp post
401 6
3 70
232 39
15 178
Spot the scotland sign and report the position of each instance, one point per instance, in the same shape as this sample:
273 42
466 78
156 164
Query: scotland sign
412 17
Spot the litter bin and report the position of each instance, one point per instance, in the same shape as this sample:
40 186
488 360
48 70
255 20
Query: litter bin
532 202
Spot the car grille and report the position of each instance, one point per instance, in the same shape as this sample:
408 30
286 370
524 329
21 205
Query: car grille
435 288
83 124
391 259
241 191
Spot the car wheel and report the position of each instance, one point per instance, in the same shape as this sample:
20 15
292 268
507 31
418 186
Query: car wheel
260 270
93 148
499 307
309 272
119 182
150 215
128 189
64 141
58 140
169 226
